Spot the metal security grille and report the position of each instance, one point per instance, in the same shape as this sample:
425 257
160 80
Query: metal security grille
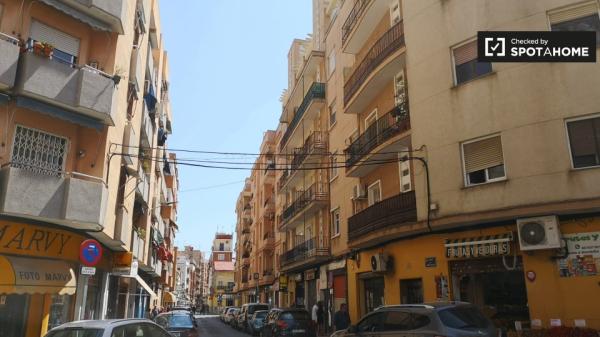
39 151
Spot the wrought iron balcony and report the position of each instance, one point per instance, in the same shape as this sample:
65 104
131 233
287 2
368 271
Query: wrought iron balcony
387 126
306 251
316 143
353 18
394 211
316 192
391 41
316 91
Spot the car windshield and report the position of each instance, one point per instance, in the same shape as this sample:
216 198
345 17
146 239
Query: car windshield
76 332
180 321
463 317
253 308
260 315
295 315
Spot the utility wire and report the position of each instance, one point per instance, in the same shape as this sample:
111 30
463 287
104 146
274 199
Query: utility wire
211 187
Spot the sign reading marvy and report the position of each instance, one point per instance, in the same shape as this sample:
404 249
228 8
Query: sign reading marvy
22 239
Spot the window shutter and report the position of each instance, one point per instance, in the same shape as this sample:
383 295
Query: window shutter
465 53
573 13
483 154
581 134
61 41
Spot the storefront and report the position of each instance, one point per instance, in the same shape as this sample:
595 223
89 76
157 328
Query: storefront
41 284
131 293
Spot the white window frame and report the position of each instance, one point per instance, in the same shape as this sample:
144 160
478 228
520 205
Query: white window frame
400 164
378 182
336 227
331 63
221 257
454 78
334 169
334 111
575 119
567 8
464 168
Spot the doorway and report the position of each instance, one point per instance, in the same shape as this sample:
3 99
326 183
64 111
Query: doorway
411 291
373 294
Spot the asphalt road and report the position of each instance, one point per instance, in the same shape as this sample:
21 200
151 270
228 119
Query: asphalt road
211 326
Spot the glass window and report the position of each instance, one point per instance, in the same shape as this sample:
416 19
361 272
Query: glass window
463 317
295 315
584 139
180 321
334 165
335 221
483 160
371 323
466 66
397 321
60 310
39 151
331 63
332 117
155 331
586 23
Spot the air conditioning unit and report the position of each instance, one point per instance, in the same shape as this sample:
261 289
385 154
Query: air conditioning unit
359 192
539 233
379 263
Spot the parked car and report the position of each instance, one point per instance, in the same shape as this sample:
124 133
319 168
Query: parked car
450 319
257 321
288 322
230 314
178 323
246 311
179 308
109 328
223 313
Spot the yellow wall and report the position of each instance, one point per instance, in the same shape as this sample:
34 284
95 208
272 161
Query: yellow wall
549 296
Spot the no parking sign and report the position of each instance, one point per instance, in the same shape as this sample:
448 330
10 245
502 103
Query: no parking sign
90 253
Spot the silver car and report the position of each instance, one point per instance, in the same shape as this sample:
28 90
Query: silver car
450 319
109 328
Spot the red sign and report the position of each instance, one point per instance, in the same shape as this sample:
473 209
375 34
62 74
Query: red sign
90 252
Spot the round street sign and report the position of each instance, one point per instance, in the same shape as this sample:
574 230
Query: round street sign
90 252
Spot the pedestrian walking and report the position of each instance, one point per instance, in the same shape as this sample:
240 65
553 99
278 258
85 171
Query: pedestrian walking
320 318
341 319
315 313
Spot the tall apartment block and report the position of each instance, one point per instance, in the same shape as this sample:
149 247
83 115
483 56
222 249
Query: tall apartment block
85 104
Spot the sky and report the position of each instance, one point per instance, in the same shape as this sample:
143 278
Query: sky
228 68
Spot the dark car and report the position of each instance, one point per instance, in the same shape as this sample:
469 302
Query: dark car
246 311
109 328
257 321
451 319
288 322
178 323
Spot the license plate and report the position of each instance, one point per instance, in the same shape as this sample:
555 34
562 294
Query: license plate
298 331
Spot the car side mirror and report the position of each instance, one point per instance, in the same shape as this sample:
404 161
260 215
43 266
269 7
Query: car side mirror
352 329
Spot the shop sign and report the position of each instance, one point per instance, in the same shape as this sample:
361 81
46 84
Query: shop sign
88 270
584 255
23 239
283 283
483 246
430 262
310 275
90 253
124 265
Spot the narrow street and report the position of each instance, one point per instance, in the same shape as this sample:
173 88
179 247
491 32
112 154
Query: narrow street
211 326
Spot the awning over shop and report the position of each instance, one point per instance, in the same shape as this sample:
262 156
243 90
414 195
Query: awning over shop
169 297
36 276
489 245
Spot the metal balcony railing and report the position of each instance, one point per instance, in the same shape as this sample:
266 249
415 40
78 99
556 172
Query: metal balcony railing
391 41
393 211
305 250
392 123
316 91
315 143
352 19
316 192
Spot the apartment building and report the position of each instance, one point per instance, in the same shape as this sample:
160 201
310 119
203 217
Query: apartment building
84 92
243 250
221 272
500 183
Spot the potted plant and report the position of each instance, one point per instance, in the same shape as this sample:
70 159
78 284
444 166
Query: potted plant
141 232
47 49
38 47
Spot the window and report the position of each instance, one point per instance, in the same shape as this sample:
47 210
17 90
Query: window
221 246
483 160
584 140
583 17
395 13
335 222
404 166
466 66
404 321
221 257
331 63
39 151
374 193
371 323
66 47
334 165
411 291
332 115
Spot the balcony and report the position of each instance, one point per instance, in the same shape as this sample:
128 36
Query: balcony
142 187
70 199
304 255
267 277
9 57
306 203
375 144
361 22
377 69
123 226
269 240
395 211
310 155
85 91
104 15
136 70
313 101
137 247
147 128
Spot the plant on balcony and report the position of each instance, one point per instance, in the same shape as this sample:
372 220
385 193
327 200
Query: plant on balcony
141 232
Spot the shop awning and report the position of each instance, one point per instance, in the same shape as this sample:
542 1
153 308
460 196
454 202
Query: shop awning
36 276
169 297
480 240
480 246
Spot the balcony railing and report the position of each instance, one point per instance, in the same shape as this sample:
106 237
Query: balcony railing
303 251
316 91
285 174
9 56
315 143
391 40
355 14
387 126
393 211
316 192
